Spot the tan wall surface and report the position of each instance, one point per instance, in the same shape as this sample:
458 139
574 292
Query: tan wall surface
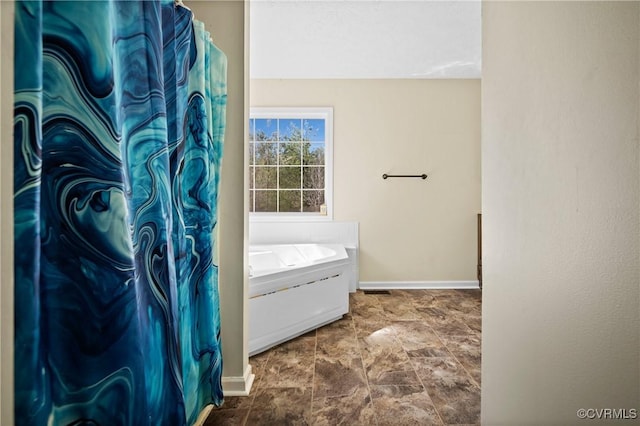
225 20
6 212
410 229
560 193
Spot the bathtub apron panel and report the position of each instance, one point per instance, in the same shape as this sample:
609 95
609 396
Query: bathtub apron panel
295 289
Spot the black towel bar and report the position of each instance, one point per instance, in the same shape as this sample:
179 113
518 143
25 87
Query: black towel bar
422 176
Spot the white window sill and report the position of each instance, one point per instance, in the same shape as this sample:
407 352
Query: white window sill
289 217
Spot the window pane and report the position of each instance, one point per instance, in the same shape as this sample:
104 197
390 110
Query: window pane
290 153
313 178
313 200
252 129
266 129
252 171
313 153
314 130
289 177
266 177
290 129
266 201
266 154
251 195
252 150
290 201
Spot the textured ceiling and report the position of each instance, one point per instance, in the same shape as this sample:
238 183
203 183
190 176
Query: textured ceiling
365 39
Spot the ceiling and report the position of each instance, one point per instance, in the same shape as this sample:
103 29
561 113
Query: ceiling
297 39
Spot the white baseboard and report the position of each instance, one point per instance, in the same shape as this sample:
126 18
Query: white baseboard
238 385
202 417
231 386
418 285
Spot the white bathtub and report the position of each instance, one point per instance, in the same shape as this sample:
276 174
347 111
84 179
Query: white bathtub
295 288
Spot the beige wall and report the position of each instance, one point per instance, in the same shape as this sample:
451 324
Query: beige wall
410 230
6 212
225 20
560 193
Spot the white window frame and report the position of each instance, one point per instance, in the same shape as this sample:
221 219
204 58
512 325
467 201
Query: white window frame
325 113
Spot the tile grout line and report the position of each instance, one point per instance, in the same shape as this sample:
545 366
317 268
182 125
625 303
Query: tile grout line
253 398
437 333
364 370
446 346
427 392
413 365
313 377
469 376
473 380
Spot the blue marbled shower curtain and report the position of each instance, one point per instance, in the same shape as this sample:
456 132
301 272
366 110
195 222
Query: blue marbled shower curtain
119 124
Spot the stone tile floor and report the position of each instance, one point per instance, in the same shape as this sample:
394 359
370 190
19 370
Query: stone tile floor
411 357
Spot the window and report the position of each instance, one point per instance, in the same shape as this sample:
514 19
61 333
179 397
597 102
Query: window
290 156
